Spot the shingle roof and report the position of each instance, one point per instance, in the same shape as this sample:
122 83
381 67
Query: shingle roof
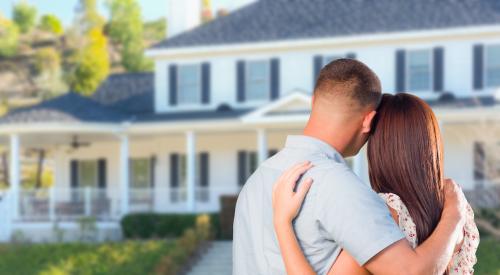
70 107
272 20
132 93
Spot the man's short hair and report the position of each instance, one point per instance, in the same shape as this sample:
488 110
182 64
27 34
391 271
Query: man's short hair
351 79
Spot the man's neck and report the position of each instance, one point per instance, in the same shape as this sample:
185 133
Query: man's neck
329 136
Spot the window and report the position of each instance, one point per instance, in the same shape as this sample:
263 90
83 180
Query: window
492 62
140 173
87 175
419 70
183 171
247 164
189 84
257 80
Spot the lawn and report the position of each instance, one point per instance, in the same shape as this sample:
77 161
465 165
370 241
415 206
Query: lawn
130 257
488 258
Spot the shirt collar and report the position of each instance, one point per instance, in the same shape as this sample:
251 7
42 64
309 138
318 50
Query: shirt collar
314 144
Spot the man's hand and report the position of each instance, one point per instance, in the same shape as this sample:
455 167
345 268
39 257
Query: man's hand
455 203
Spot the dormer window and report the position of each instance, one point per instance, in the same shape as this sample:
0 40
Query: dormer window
257 81
419 70
492 66
189 84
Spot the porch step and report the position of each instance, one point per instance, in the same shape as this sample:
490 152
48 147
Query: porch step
218 260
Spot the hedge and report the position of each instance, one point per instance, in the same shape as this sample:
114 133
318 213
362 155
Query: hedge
152 225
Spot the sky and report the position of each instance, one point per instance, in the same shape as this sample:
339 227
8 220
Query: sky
151 9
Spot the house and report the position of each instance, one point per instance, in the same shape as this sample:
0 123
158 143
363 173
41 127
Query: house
224 96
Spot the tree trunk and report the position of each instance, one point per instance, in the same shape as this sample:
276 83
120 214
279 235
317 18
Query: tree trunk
39 170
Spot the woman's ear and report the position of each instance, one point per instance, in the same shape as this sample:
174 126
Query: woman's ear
367 122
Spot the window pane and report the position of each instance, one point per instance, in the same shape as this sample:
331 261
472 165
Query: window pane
419 70
257 80
87 173
493 66
140 173
189 90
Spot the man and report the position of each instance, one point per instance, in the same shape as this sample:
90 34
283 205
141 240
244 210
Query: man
344 213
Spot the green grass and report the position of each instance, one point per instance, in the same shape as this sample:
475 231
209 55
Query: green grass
130 257
488 258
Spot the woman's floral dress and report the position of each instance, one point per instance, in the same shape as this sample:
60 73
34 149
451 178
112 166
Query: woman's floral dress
463 261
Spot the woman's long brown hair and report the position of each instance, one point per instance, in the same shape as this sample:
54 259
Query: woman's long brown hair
405 156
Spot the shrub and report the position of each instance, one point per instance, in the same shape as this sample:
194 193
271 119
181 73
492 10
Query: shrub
152 225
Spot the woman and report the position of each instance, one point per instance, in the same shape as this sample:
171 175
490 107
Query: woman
405 156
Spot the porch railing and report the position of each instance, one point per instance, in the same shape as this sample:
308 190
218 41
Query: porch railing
71 204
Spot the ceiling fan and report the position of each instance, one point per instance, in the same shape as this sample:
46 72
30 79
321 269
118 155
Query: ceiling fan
75 144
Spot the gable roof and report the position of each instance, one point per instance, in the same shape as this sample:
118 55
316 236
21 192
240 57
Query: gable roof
274 20
131 93
70 107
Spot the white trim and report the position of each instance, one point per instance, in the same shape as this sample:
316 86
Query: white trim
365 40
64 127
259 113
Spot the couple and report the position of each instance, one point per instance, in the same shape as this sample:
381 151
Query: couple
318 217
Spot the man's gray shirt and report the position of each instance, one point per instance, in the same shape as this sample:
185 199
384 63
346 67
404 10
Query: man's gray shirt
340 211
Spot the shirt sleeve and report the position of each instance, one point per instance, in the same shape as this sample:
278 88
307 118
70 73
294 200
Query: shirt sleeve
351 214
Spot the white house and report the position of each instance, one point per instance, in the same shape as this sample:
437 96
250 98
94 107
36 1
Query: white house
224 96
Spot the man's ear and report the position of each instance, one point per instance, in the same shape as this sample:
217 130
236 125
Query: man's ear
367 122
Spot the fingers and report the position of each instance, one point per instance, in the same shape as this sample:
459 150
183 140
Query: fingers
297 172
303 189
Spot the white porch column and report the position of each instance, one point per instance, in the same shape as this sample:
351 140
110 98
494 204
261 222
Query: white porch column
14 175
262 145
191 169
124 174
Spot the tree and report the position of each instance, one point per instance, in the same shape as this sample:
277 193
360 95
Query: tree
9 37
126 30
87 16
92 64
206 13
155 30
24 16
51 23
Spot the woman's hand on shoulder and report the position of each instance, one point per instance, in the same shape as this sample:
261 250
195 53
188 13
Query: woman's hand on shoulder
287 202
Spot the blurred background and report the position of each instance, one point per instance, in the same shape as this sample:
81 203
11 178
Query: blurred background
128 127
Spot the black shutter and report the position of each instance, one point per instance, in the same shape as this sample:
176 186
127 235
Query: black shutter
275 78
152 171
101 173
438 69
74 173
174 170
400 70
317 65
205 83
204 169
351 55
242 164
478 69
172 72
240 81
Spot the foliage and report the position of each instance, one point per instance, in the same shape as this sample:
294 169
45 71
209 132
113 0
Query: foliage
47 178
126 29
488 256
92 64
155 30
24 16
129 257
47 60
151 225
9 35
88 17
51 23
